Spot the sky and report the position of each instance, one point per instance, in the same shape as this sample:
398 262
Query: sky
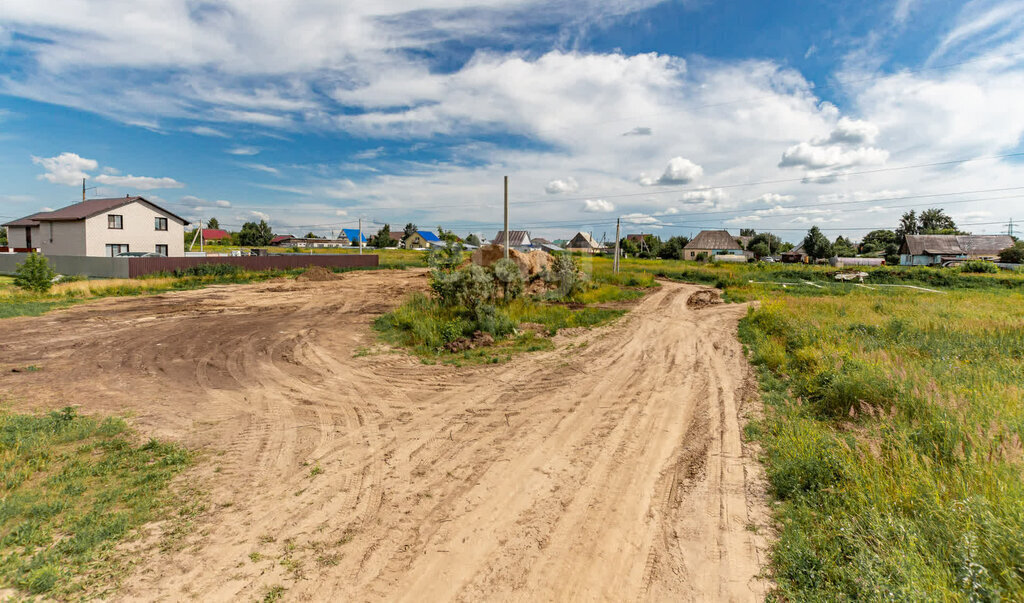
672 116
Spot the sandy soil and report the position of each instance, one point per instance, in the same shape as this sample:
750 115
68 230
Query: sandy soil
611 468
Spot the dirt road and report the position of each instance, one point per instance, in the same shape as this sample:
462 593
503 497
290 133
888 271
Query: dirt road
608 469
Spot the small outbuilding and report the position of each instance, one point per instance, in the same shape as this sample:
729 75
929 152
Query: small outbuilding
712 243
937 250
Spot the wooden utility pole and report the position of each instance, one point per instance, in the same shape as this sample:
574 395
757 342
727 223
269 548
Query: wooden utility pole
201 235
506 217
615 264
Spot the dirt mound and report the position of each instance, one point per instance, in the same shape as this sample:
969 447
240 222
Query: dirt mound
317 274
479 340
530 264
703 299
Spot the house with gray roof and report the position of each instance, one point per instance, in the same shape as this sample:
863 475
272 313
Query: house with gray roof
937 250
712 243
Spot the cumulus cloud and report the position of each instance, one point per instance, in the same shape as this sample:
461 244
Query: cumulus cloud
598 205
814 157
144 183
678 171
66 168
639 131
642 218
853 131
565 185
222 203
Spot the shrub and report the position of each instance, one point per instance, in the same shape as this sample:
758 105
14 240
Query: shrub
1013 255
979 266
507 274
209 270
567 273
35 274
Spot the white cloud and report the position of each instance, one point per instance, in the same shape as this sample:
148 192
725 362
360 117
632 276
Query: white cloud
261 168
369 154
66 168
853 131
774 198
678 171
222 203
242 150
813 157
144 183
340 212
565 185
597 205
639 131
207 131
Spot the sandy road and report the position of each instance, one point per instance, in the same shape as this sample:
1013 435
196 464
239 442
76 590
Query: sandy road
608 469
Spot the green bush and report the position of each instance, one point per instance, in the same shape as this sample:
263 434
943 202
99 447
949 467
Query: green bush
35 274
209 270
979 267
508 277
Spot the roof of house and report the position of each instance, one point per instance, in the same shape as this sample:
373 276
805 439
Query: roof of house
539 241
279 238
88 209
582 239
713 239
517 238
635 237
353 234
27 220
215 233
429 236
957 244
396 235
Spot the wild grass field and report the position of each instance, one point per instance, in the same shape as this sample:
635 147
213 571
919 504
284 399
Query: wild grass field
71 488
893 426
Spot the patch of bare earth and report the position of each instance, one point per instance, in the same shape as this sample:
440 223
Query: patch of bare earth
610 471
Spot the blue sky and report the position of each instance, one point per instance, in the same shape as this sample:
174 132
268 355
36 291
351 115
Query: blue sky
671 115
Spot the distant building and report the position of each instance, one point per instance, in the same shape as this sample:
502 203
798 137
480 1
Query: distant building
312 242
583 243
795 255
215 236
352 234
712 243
519 239
281 240
101 227
937 250
422 239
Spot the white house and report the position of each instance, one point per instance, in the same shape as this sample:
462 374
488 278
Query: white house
101 227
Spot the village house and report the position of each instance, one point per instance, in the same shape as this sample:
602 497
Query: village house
101 227
311 243
713 243
519 239
216 236
583 243
938 250
422 239
353 235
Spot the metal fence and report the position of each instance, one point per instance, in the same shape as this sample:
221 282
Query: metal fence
143 266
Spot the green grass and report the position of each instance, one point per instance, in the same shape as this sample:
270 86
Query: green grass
71 488
424 325
30 306
893 438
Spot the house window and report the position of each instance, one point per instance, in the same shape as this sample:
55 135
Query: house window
160 223
114 221
162 249
116 248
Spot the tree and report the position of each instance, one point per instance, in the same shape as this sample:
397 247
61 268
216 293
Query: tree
473 240
446 235
672 249
3 237
935 221
1013 255
410 229
759 249
311 235
213 223
879 241
255 235
383 238
816 245
908 226
35 274
747 232
770 241
843 247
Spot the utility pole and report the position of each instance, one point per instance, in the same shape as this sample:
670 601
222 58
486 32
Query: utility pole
199 231
360 241
83 190
506 217
615 264
201 237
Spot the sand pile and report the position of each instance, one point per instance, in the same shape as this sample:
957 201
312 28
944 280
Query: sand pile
317 274
530 264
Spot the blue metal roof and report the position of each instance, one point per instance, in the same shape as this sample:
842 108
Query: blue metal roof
429 236
353 234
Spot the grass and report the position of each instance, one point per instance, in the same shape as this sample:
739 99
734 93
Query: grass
389 258
424 325
72 488
893 439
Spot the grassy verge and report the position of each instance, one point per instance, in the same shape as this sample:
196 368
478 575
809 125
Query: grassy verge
425 325
893 438
72 488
